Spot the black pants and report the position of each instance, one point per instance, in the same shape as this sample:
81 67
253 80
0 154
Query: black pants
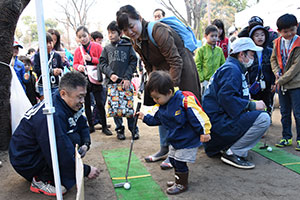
100 104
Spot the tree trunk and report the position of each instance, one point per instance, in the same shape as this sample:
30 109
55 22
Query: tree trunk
9 14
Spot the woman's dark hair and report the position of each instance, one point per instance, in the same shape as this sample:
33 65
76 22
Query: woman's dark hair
286 21
124 13
219 23
72 80
113 27
57 46
49 38
82 28
161 82
210 28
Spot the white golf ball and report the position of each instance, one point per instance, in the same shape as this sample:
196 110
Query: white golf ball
127 186
269 149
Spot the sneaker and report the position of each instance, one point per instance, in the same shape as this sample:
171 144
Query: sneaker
284 143
166 164
121 136
44 188
298 145
136 135
106 131
237 161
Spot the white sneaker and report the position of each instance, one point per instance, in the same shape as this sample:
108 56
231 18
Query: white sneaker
44 188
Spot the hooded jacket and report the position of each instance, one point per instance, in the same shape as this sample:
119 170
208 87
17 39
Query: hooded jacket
29 149
118 58
226 102
169 55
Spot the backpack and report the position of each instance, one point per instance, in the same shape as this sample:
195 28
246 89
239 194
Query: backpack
185 32
186 94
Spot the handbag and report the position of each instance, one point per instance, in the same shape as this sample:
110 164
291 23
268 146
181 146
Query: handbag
256 86
92 73
120 101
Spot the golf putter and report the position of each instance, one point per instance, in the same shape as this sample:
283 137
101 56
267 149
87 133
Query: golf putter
265 142
118 185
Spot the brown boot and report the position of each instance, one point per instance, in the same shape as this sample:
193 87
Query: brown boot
181 183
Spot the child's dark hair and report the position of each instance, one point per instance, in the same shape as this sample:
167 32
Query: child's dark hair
124 13
286 21
219 23
113 26
25 60
82 28
161 82
30 50
72 80
162 11
49 38
210 28
96 34
57 46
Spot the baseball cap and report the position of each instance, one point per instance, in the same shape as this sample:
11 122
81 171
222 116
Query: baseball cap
244 44
16 44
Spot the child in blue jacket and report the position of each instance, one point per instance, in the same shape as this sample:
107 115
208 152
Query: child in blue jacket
186 123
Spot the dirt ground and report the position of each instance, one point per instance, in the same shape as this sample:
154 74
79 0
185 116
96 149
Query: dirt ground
209 177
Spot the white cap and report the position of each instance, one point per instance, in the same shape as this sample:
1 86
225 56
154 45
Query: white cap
244 44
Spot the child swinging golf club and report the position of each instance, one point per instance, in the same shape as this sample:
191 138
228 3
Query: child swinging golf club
186 122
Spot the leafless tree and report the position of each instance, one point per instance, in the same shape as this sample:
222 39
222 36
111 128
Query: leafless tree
9 14
76 12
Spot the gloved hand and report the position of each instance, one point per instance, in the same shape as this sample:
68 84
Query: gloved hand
82 150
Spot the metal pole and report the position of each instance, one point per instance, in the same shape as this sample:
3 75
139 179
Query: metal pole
49 109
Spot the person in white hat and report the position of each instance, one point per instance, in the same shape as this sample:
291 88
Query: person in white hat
238 123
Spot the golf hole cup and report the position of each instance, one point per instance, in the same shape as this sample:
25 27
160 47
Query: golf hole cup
127 186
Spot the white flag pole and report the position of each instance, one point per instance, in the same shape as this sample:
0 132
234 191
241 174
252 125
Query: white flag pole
49 109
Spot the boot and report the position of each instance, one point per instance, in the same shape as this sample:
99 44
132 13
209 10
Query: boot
181 183
120 133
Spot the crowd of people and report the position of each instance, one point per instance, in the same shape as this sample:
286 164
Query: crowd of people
234 78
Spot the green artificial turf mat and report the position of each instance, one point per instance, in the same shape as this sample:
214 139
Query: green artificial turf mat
280 156
141 188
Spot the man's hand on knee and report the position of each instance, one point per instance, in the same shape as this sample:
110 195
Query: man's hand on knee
94 173
260 105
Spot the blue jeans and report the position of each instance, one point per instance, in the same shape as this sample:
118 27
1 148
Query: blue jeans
289 101
130 123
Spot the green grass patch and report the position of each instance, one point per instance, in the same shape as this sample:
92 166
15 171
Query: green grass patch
141 188
280 156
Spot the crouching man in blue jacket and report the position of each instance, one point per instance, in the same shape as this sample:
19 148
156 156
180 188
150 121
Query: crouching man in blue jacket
238 123
29 149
